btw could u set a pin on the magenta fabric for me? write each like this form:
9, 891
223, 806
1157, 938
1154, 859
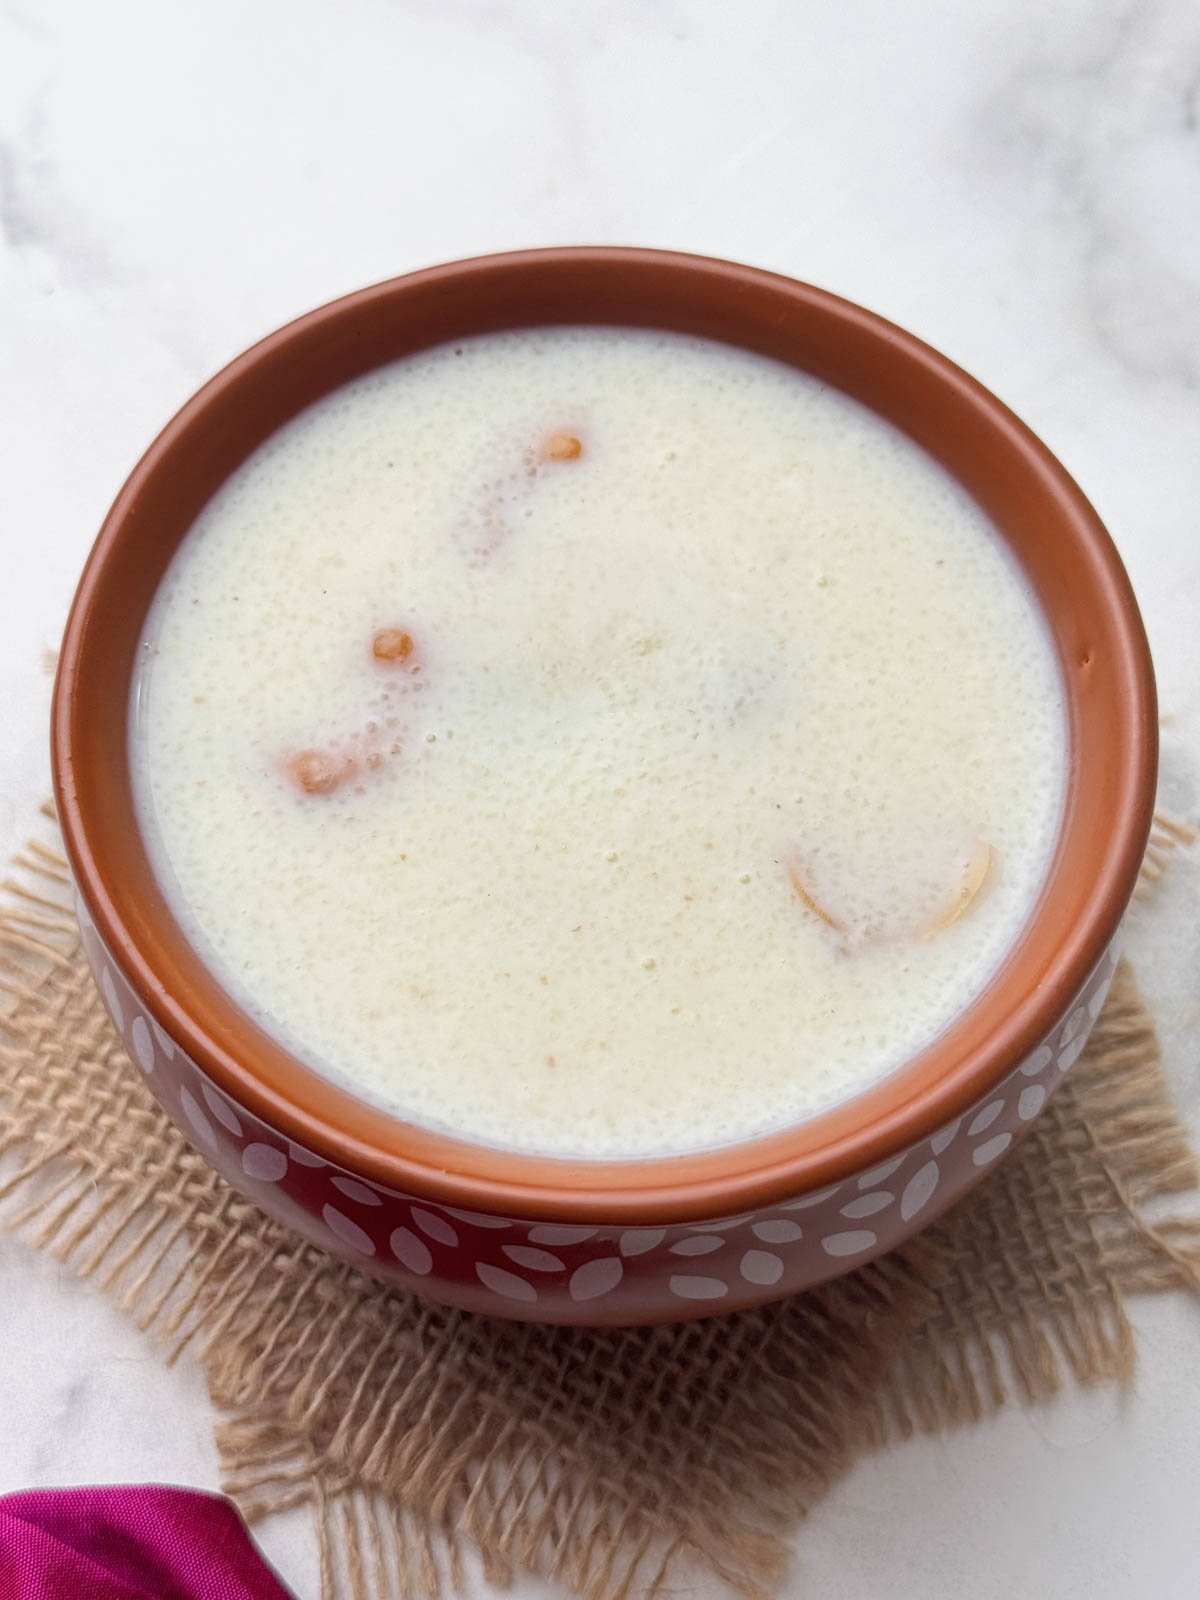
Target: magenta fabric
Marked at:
144, 1542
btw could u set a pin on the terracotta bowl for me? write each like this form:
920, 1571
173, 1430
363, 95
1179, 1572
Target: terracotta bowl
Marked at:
611, 1242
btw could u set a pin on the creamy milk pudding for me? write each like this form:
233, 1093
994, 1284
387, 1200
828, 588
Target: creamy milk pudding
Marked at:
597, 742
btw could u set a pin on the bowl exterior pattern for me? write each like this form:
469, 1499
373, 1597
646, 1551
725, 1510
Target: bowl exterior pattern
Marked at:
560, 1272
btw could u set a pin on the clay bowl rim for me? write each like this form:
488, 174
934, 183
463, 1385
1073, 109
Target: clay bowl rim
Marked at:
1102, 649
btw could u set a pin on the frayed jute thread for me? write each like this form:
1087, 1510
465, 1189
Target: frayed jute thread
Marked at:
1167, 834
609, 1460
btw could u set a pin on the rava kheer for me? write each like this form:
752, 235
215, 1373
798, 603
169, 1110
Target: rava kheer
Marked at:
598, 742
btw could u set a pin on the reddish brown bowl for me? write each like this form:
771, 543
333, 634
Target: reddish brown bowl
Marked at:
561, 1240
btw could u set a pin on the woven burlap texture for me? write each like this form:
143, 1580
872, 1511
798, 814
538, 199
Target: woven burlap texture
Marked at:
608, 1460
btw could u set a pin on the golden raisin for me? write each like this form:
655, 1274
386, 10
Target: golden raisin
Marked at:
392, 644
315, 772
562, 447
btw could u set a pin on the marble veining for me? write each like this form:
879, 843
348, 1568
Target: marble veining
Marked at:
1100, 123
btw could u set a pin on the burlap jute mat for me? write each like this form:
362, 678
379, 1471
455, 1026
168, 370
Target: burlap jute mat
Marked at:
609, 1460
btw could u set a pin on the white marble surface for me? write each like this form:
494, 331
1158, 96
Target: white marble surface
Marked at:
1019, 183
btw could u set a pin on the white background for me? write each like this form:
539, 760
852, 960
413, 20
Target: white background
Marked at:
1017, 182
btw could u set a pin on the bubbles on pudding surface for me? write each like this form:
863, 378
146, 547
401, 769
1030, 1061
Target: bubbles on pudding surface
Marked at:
626, 799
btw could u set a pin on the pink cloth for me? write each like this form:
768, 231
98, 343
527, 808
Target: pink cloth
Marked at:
144, 1542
